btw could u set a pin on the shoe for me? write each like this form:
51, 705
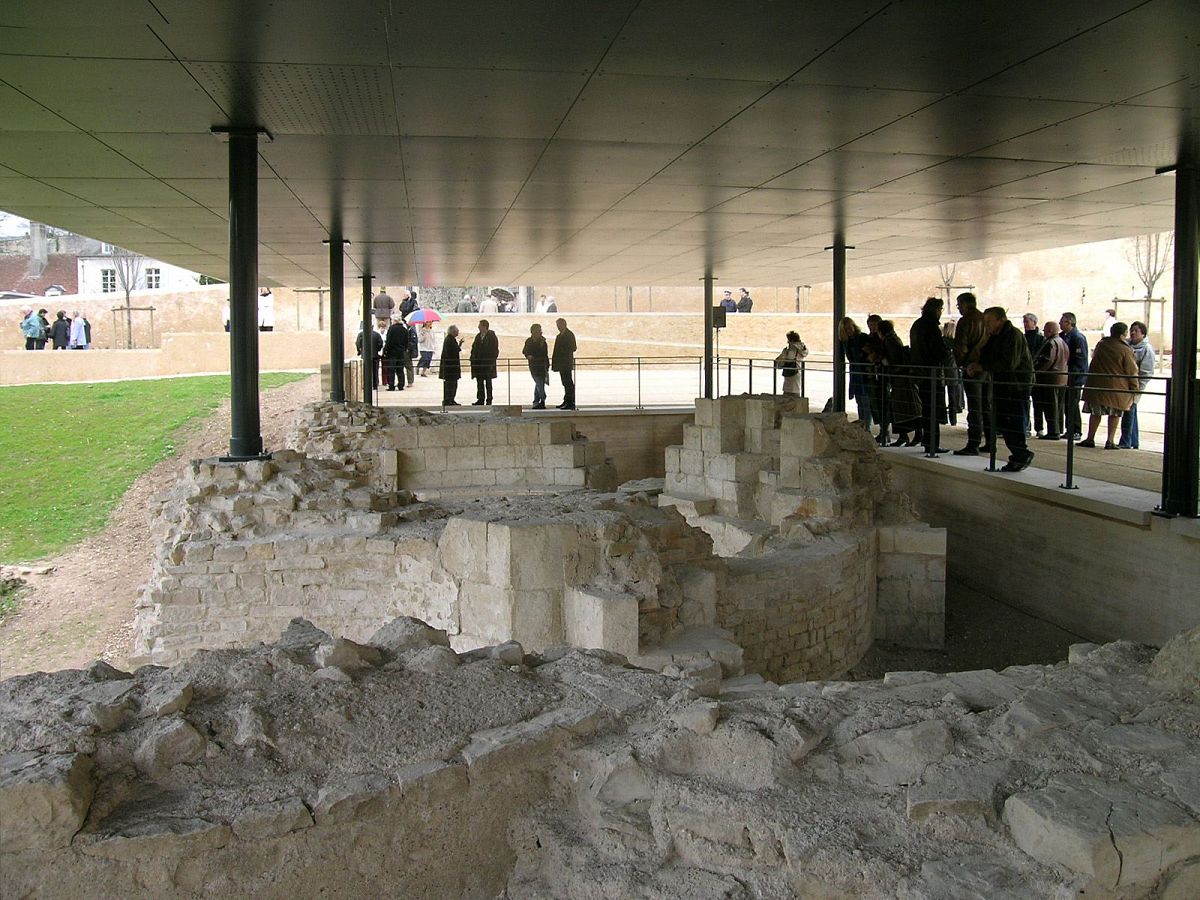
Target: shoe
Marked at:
391, 389
477, 403
940, 450
1109, 445
451, 403
901, 441
538, 406
568, 406
1049, 437
969, 450
1121, 446
1088, 443
914, 442
1078, 435
882, 440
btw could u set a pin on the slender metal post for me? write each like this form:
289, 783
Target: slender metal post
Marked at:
508, 375
803, 379
750, 375
245, 439
931, 435
839, 312
337, 318
368, 343
775, 380
1181, 456
991, 395
639, 376
728, 375
708, 335
1166, 469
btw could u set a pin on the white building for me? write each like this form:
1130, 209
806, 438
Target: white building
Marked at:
98, 273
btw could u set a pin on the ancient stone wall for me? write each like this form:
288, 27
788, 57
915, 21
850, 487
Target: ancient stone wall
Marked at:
422, 451
828, 552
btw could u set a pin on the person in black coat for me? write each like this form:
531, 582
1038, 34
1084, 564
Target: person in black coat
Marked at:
563, 362
485, 350
395, 349
450, 366
60, 331
928, 353
376, 350
537, 353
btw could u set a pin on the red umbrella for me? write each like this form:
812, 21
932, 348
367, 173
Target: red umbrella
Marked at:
423, 315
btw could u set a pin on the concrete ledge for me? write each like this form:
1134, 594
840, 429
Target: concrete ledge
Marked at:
1097, 498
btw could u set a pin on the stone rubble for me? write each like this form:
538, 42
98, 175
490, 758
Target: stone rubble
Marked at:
567, 772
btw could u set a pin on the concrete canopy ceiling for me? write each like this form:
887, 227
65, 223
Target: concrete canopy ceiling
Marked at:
626, 142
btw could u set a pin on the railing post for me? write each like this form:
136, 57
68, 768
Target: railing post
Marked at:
885, 407
728, 375
991, 395
750, 371
639, 382
803, 378
931, 435
774, 379
1165, 494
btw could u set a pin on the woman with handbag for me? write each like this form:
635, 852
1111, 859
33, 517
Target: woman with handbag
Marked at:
788, 363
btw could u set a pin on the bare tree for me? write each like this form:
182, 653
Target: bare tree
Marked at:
1150, 256
128, 266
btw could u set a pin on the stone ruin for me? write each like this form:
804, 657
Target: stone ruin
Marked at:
355, 530
317, 766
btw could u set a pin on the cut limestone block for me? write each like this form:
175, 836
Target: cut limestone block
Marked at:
607, 620
1113, 832
898, 755
967, 792
44, 799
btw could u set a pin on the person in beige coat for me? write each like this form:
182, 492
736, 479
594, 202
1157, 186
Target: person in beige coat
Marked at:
1112, 385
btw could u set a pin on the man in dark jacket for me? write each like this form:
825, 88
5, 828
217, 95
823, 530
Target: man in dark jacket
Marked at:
60, 331
450, 366
563, 362
536, 353
928, 353
376, 350
1033, 337
728, 303
745, 304
395, 349
1077, 366
969, 337
409, 304
1006, 358
485, 350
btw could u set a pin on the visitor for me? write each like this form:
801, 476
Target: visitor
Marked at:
1050, 378
745, 304
466, 304
485, 350
383, 306
488, 306
542, 304
904, 405
1112, 384
407, 362
562, 361
60, 331
80, 332
788, 363
450, 366
31, 328
956, 402
928, 354
551, 304
266, 310
728, 304
537, 354
373, 359
1033, 337
225, 316
854, 348
426, 346
1005, 357
873, 321
969, 338
1077, 366
1110, 319
41, 342
409, 304
395, 349
880, 412
1143, 353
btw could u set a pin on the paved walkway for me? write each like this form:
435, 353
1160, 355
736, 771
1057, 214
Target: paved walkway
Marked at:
674, 386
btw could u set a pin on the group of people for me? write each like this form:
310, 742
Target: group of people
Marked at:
1037, 379
73, 333
743, 304
503, 303
485, 351
400, 351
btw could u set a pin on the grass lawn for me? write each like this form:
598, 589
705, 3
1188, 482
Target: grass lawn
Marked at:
68, 452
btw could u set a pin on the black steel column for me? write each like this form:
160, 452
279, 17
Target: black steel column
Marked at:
839, 313
1182, 452
368, 342
245, 438
708, 335
337, 317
